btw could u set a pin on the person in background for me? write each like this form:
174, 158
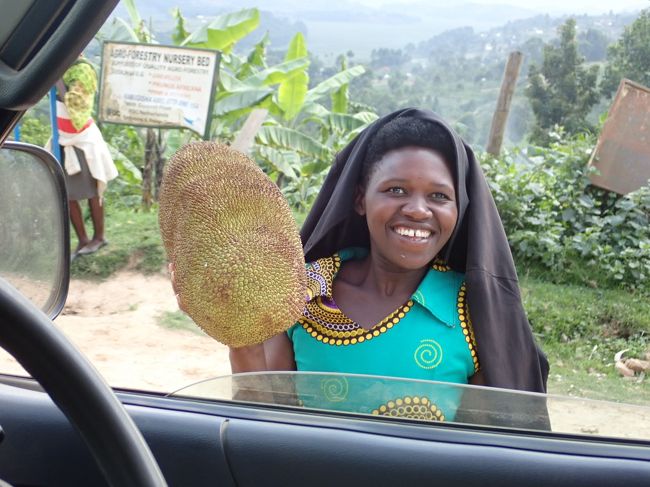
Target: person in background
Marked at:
84, 154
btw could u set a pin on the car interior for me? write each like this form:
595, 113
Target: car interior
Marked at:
66, 427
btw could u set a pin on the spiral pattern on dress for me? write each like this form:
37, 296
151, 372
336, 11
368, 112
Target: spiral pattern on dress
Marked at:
428, 355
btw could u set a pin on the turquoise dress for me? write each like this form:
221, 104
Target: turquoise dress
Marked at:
429, 338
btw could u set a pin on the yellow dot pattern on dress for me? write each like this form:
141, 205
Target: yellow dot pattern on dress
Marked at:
440, 266
410, 407
466, 324
352, 333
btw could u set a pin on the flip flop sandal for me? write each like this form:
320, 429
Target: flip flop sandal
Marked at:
91, 249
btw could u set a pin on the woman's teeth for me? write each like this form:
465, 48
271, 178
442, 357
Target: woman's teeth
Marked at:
410, 232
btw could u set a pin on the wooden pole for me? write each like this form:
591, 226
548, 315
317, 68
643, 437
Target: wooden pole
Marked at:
498, 128
246, 135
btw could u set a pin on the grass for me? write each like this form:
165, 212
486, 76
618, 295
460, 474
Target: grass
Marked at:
134, 243
177, 320
579, 327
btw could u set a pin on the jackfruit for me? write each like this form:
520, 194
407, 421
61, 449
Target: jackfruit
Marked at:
239, 264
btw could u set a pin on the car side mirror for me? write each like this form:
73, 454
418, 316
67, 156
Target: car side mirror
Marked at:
34, 228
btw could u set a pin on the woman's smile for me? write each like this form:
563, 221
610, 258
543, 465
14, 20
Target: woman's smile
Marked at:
413, 233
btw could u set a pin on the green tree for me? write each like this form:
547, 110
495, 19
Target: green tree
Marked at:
563, 90
592, 44
629, 57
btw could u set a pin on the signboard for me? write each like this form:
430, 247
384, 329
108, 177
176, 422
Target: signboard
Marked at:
622, 154
158, 86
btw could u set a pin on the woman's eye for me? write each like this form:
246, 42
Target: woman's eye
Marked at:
439, 196
396, 190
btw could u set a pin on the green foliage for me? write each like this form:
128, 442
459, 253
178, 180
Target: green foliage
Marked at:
34, 131
341, 97
126, 148
138, 26
561, 227
225, 30
563, 90
134, 244
179, 33
581, 329
629, 57
293, 90
592, 44
301, 136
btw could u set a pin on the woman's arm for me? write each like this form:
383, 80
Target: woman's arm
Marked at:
276, 353
477, 379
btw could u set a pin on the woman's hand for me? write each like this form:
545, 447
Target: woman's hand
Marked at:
276, 353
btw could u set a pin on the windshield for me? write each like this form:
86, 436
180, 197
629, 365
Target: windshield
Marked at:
428, 401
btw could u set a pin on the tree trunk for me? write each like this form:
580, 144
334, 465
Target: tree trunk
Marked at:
159, 165
154, 163
147, 170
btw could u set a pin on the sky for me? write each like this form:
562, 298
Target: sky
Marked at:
550, 6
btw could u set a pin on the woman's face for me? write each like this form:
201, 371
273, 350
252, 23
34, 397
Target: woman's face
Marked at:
410, 206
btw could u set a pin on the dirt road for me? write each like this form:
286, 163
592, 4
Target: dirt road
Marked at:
115, 323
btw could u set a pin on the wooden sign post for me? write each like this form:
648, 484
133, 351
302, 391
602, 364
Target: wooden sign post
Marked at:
498, 128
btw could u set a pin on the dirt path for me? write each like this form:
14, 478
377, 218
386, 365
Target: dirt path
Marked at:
116, 325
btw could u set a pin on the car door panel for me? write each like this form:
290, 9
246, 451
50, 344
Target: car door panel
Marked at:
42, 448
201, 443
288, 455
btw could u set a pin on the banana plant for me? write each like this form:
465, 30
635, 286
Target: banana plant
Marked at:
292, 92
224, 31
303, 136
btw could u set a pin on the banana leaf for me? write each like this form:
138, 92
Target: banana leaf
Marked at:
286, 138
278, 73
224, 31
239, 100
340, 99
133, 12
119, 31
333, 83
285, 161
293, 90
179, 34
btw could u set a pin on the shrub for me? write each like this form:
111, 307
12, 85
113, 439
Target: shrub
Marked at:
558, 224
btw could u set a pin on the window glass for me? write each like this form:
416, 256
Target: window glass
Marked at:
429, 401
583, 255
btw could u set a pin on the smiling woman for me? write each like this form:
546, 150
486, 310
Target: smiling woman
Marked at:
403, 241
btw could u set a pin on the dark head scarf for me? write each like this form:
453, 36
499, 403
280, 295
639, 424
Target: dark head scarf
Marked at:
508, 354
